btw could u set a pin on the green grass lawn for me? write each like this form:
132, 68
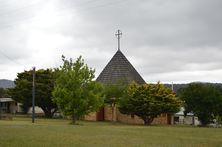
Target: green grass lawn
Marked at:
57, 132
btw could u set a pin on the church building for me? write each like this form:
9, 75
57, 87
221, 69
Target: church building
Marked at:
120, 70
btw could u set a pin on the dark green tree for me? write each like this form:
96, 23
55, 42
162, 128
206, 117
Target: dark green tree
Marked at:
204, 100
22, 92
3, 93
147, 101
219, 106
75, 91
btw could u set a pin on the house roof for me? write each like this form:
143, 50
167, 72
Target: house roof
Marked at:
181, 112
119, 70
6, 100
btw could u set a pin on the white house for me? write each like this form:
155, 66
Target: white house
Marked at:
189, 119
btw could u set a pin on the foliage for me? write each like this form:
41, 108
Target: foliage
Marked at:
219, 105
75, 92
219, 119
44, 81
3, 93
204, 100
113, 93
147, 101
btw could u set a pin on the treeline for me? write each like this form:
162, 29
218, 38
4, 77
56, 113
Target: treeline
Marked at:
71, 90
204, 100
178, 87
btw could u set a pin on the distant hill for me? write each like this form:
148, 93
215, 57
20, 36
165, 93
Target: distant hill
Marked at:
6, 83
178, 87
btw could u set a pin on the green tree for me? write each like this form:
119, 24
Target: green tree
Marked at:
147, 101
22, 92
3, 93
204, 100
113, 92
219, 106
75, 92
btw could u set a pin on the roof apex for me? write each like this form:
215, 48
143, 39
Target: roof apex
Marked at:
119, 70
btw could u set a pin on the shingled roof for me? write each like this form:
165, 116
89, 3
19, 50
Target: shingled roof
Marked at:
119, 70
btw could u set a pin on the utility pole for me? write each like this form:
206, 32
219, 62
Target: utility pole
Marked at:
118, 35
33, 95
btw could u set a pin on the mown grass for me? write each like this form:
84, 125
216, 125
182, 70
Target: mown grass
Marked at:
59, 132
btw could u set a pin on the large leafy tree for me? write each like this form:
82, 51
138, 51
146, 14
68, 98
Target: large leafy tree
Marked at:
44, 81
204, 100
147, 101
75, 91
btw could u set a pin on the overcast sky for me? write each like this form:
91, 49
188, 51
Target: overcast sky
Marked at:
166, 40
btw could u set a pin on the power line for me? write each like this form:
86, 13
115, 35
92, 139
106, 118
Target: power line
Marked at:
9, 58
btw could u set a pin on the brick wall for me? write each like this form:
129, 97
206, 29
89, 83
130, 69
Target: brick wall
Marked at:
113, 114
128, 118
110, 113
162, 119
91, 116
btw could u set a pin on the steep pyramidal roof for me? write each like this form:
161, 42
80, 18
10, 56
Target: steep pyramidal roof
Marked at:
119, 70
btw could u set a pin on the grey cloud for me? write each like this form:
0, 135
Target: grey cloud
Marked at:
161, 38
170, 23
166, 36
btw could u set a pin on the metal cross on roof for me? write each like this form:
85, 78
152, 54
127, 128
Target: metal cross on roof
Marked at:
118, 35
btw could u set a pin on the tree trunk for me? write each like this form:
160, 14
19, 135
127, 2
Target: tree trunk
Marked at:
48, 113
74, 119
113, 106
147, 120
